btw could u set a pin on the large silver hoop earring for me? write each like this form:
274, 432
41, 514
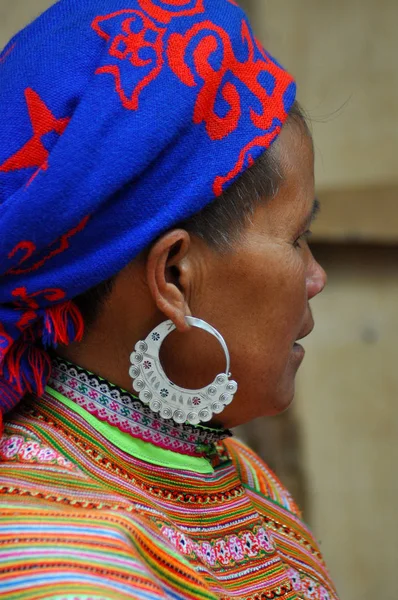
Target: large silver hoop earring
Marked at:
165, 397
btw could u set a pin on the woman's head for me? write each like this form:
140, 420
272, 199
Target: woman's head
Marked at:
141, 118
243, 265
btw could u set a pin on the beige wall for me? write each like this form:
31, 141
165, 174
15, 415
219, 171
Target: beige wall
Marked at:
14, 14
344, 56
348, 415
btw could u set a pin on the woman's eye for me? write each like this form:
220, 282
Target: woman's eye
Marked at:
304, 237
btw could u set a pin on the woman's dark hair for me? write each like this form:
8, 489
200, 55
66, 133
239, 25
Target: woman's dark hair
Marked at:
220, 223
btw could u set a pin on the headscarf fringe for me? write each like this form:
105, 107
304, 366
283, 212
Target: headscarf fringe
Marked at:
63, 324
27, 364
27, 367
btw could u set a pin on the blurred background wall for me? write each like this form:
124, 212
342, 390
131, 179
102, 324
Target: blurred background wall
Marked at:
337, 448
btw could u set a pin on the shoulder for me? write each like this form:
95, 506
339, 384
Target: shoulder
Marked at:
255, 474
57, 551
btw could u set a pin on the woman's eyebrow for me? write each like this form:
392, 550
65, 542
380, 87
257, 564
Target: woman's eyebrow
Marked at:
316, 207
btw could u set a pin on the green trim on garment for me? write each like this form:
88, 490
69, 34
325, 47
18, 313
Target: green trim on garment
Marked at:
134, 447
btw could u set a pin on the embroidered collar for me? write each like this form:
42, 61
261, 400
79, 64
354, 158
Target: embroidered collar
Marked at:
121, 409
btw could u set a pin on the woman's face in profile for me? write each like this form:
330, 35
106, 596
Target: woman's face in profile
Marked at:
258, 296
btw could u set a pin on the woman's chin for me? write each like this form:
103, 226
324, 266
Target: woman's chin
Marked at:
239, 413
283, 397
280, 404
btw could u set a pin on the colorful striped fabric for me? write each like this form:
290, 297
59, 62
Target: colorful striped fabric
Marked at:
82, 519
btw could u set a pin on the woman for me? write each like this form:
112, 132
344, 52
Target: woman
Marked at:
156, 178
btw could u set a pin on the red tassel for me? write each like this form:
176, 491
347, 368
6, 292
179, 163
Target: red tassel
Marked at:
28, 367
64, 323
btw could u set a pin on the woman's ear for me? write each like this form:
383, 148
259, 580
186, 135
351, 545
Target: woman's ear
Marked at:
166, 276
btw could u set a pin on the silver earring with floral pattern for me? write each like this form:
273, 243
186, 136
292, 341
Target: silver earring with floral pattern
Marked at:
163, 396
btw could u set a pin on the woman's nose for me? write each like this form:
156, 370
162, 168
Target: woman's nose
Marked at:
316, 280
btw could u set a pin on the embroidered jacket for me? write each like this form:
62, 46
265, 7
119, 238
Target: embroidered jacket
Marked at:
89, 509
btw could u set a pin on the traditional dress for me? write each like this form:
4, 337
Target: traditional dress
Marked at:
103, 499
118, 120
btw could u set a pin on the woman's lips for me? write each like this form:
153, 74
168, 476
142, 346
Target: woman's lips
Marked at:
298, 351
307, 330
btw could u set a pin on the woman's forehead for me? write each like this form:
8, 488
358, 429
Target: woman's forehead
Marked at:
295, 150
294, 200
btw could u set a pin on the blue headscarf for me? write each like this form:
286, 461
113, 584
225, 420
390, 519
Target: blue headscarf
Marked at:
118, 119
